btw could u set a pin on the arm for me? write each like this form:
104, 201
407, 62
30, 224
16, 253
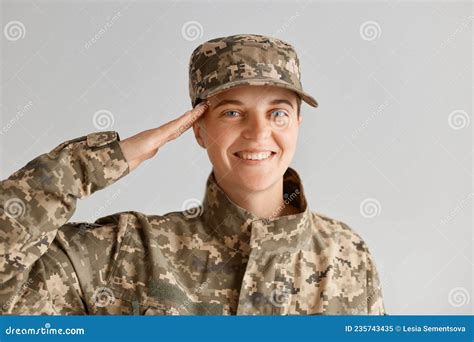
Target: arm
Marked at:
37, 200
37, 275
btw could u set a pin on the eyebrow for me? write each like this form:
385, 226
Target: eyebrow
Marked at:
237, 102
278, 101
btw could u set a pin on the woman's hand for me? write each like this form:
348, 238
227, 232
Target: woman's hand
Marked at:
145, 145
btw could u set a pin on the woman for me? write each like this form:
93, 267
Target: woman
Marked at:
253, 247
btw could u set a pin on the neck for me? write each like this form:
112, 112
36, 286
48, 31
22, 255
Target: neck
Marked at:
266, 203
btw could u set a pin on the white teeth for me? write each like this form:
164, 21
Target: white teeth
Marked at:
254, 156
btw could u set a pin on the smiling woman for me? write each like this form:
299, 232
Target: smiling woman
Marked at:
251, 149
253, 247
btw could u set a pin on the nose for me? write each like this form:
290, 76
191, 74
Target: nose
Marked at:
257, 127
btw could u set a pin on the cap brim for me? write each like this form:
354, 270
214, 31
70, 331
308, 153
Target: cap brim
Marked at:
261, 81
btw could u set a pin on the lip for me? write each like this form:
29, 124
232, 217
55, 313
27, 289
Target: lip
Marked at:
255, 162
256, 151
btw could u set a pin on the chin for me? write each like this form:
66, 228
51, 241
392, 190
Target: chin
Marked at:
255, 180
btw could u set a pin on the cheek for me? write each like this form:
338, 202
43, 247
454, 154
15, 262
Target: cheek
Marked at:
219, 140
287, 140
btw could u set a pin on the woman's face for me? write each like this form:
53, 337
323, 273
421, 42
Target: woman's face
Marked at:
250, 134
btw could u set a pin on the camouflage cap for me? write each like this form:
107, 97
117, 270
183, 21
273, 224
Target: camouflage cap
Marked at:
244, 59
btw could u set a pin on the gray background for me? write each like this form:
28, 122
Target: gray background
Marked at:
394, 123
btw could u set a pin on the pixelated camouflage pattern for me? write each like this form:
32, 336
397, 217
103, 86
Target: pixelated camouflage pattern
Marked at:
244, 59
217, 259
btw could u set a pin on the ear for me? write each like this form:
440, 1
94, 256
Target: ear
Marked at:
198, 132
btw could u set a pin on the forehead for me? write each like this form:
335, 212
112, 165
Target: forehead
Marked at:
265, 93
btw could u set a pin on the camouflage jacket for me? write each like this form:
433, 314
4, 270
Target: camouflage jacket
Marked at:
218, 259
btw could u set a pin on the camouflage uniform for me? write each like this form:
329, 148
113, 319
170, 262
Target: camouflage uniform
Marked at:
218, 259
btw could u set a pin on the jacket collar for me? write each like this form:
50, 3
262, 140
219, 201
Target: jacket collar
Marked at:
241, 230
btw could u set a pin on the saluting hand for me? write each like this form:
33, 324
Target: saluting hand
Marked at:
145, 145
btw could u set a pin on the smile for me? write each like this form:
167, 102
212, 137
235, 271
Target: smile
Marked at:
255, 156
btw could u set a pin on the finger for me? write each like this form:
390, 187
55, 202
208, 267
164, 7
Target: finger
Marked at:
197, 111
185, 121
188, 118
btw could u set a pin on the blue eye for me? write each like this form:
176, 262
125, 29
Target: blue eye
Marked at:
279, 111
231, 111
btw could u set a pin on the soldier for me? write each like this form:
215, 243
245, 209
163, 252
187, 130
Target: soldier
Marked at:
253, 247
